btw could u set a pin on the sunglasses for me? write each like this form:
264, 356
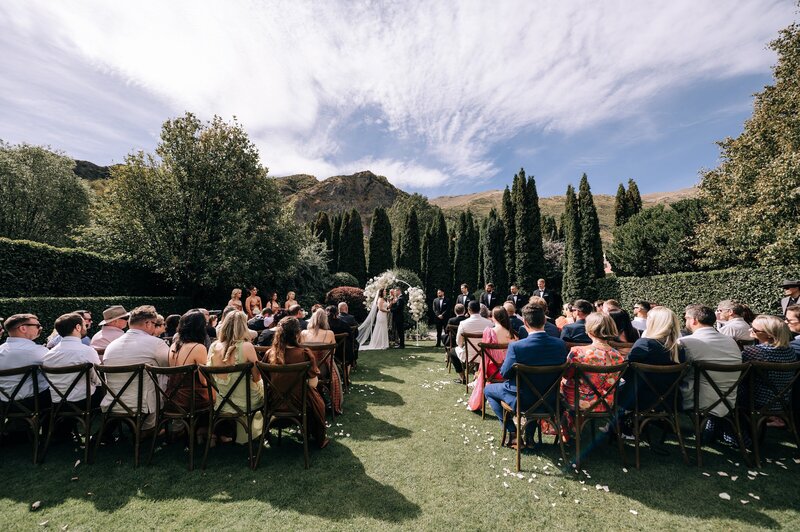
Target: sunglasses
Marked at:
37, 325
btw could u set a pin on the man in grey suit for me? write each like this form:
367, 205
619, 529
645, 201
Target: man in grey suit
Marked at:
791, 293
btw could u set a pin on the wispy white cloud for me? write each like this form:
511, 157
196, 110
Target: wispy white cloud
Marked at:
454, 80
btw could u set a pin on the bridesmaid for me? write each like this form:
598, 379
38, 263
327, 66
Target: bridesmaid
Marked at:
236, 299
253, 303
290, 300
273, 302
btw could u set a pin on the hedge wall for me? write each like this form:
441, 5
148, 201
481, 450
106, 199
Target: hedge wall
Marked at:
29, 269
49, 308
758, 287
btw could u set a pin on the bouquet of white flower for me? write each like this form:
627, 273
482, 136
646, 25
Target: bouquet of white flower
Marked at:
374, 285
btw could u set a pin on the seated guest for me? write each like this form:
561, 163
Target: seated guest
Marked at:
233, 347
658, 347
549, 326
484, 312
627, 333
640, 310
19, 351
773, 337
475, 323
172, 324
598, 305
318, 332
55, 338
450, 338
793, 322
515, 321
265, 337
161, 327
567, 316
137, 346
730, 320
71, 351
500, 333
576, 332
189, 348
340, 327
600, 329
538, 349
257, 322
211, 325
344, 315
286, 350
115, 319
610, 304
706, 344
297, 312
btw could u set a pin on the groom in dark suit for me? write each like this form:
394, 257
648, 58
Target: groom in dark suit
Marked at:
441, 313
398, 318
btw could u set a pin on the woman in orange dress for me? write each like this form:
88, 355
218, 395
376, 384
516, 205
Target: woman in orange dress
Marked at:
501, 333
252, 304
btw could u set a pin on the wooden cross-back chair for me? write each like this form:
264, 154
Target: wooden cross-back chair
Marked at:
341, 358
80, 412
546, 404
472, 353
117, 380
324, 354
281, 406
449, 344
702, 372
604, 405
493, 375
28, 409
242, 375
662, 383
780, 404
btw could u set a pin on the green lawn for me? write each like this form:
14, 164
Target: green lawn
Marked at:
407, 455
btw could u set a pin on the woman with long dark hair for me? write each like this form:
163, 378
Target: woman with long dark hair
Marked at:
187, 349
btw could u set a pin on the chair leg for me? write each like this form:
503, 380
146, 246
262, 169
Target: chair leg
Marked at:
483, 404
36, 428
578, 427
48, 439
698, 441
677, 423
618, 429
155, 437
738, 427
754, 432
305, 440
137, 432
211, 426
637, 437
504, 429
192, 429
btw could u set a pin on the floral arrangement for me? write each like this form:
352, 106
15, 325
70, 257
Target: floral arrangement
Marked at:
383, 281
416, 303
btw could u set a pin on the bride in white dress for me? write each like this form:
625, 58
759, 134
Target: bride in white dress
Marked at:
374, 332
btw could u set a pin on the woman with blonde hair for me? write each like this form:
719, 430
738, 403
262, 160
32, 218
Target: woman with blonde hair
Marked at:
233, 347
236, 299
773, 337
286, 349
290, 300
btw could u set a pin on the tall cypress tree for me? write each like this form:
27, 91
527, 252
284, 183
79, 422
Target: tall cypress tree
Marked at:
351, 255
549, 228
634, 198
528, 245
424, 252
507, 216
321, 229
336, 237
621, 208
494, 261
574, 280
380, 243
591, 245
439, 273
410, 244
452, 238
481, 235
466, 252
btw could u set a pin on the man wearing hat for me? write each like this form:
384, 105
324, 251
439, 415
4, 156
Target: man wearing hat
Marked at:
791, 292
115, 319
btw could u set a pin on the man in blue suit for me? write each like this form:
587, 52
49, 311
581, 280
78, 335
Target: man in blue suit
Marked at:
538, 349
576, 332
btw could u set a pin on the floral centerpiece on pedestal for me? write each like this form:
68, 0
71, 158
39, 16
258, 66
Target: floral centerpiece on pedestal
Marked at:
417, 305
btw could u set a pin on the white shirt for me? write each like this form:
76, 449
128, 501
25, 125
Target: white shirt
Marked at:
737, 328
18, 353
639, 323
71, 351
105, 336
473, 324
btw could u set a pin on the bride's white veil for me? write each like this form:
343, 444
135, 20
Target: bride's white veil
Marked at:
365, 329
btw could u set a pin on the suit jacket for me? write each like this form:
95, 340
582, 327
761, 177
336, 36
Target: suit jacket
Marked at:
338, 327
709, 345
490, 300
549, 327
465, 299
547, 295
519, 300
455, 320
348, 319
538, 349
795, 344
441, 306
785, 304
575, 332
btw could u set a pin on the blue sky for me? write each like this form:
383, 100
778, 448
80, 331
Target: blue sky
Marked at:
440, 97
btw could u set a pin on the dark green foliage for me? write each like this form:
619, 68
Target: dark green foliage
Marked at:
529, 254
620, 206
380, 243
481, 235
494, 264
90, 171
343, 279
634, 199
402, 206
410, 244
425, 250
759, 288
591, 245
32, 269
307, 275
507, 215
465, 269
336, 238
351, 247
576, 279
451, 254
321, 229
353, 296
439, 272
47, 309
41, 198
549, 228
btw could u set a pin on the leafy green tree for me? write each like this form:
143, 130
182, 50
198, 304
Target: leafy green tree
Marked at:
466, 252
336, 237
187, 214
41, 198
752, 199
591, 245
528, 252
380, 243
621, 206
508, 216
439, 272
321, 229
576, 281
494, 263
549, 228
452, 238
410, 244
402, 206
634, 199
351, 247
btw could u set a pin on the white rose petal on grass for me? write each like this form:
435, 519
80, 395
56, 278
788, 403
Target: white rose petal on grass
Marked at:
733, 478
756, 497
724, 496
36, 505
706, 474
722, 473
505, 484
44, 523
634, 512
744, 501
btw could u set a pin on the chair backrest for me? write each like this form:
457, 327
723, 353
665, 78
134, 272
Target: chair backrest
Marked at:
261, 351
82, 376
341, 347
323, 353
471, 345
166, 397
11, 404
604, 399
744, 343
661, 383
570, 345
280, 382
779, 378
120, 379
722, 394
543, 383
450, 341
241, 373
493, 374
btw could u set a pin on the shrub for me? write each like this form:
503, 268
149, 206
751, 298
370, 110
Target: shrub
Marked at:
47, 309
343, 279
30, 269
353, 296
759, 288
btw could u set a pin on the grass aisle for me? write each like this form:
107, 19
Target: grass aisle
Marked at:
406, 455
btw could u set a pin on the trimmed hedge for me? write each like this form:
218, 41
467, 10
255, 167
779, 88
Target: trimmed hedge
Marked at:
759, 288
47, 309
30, 269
